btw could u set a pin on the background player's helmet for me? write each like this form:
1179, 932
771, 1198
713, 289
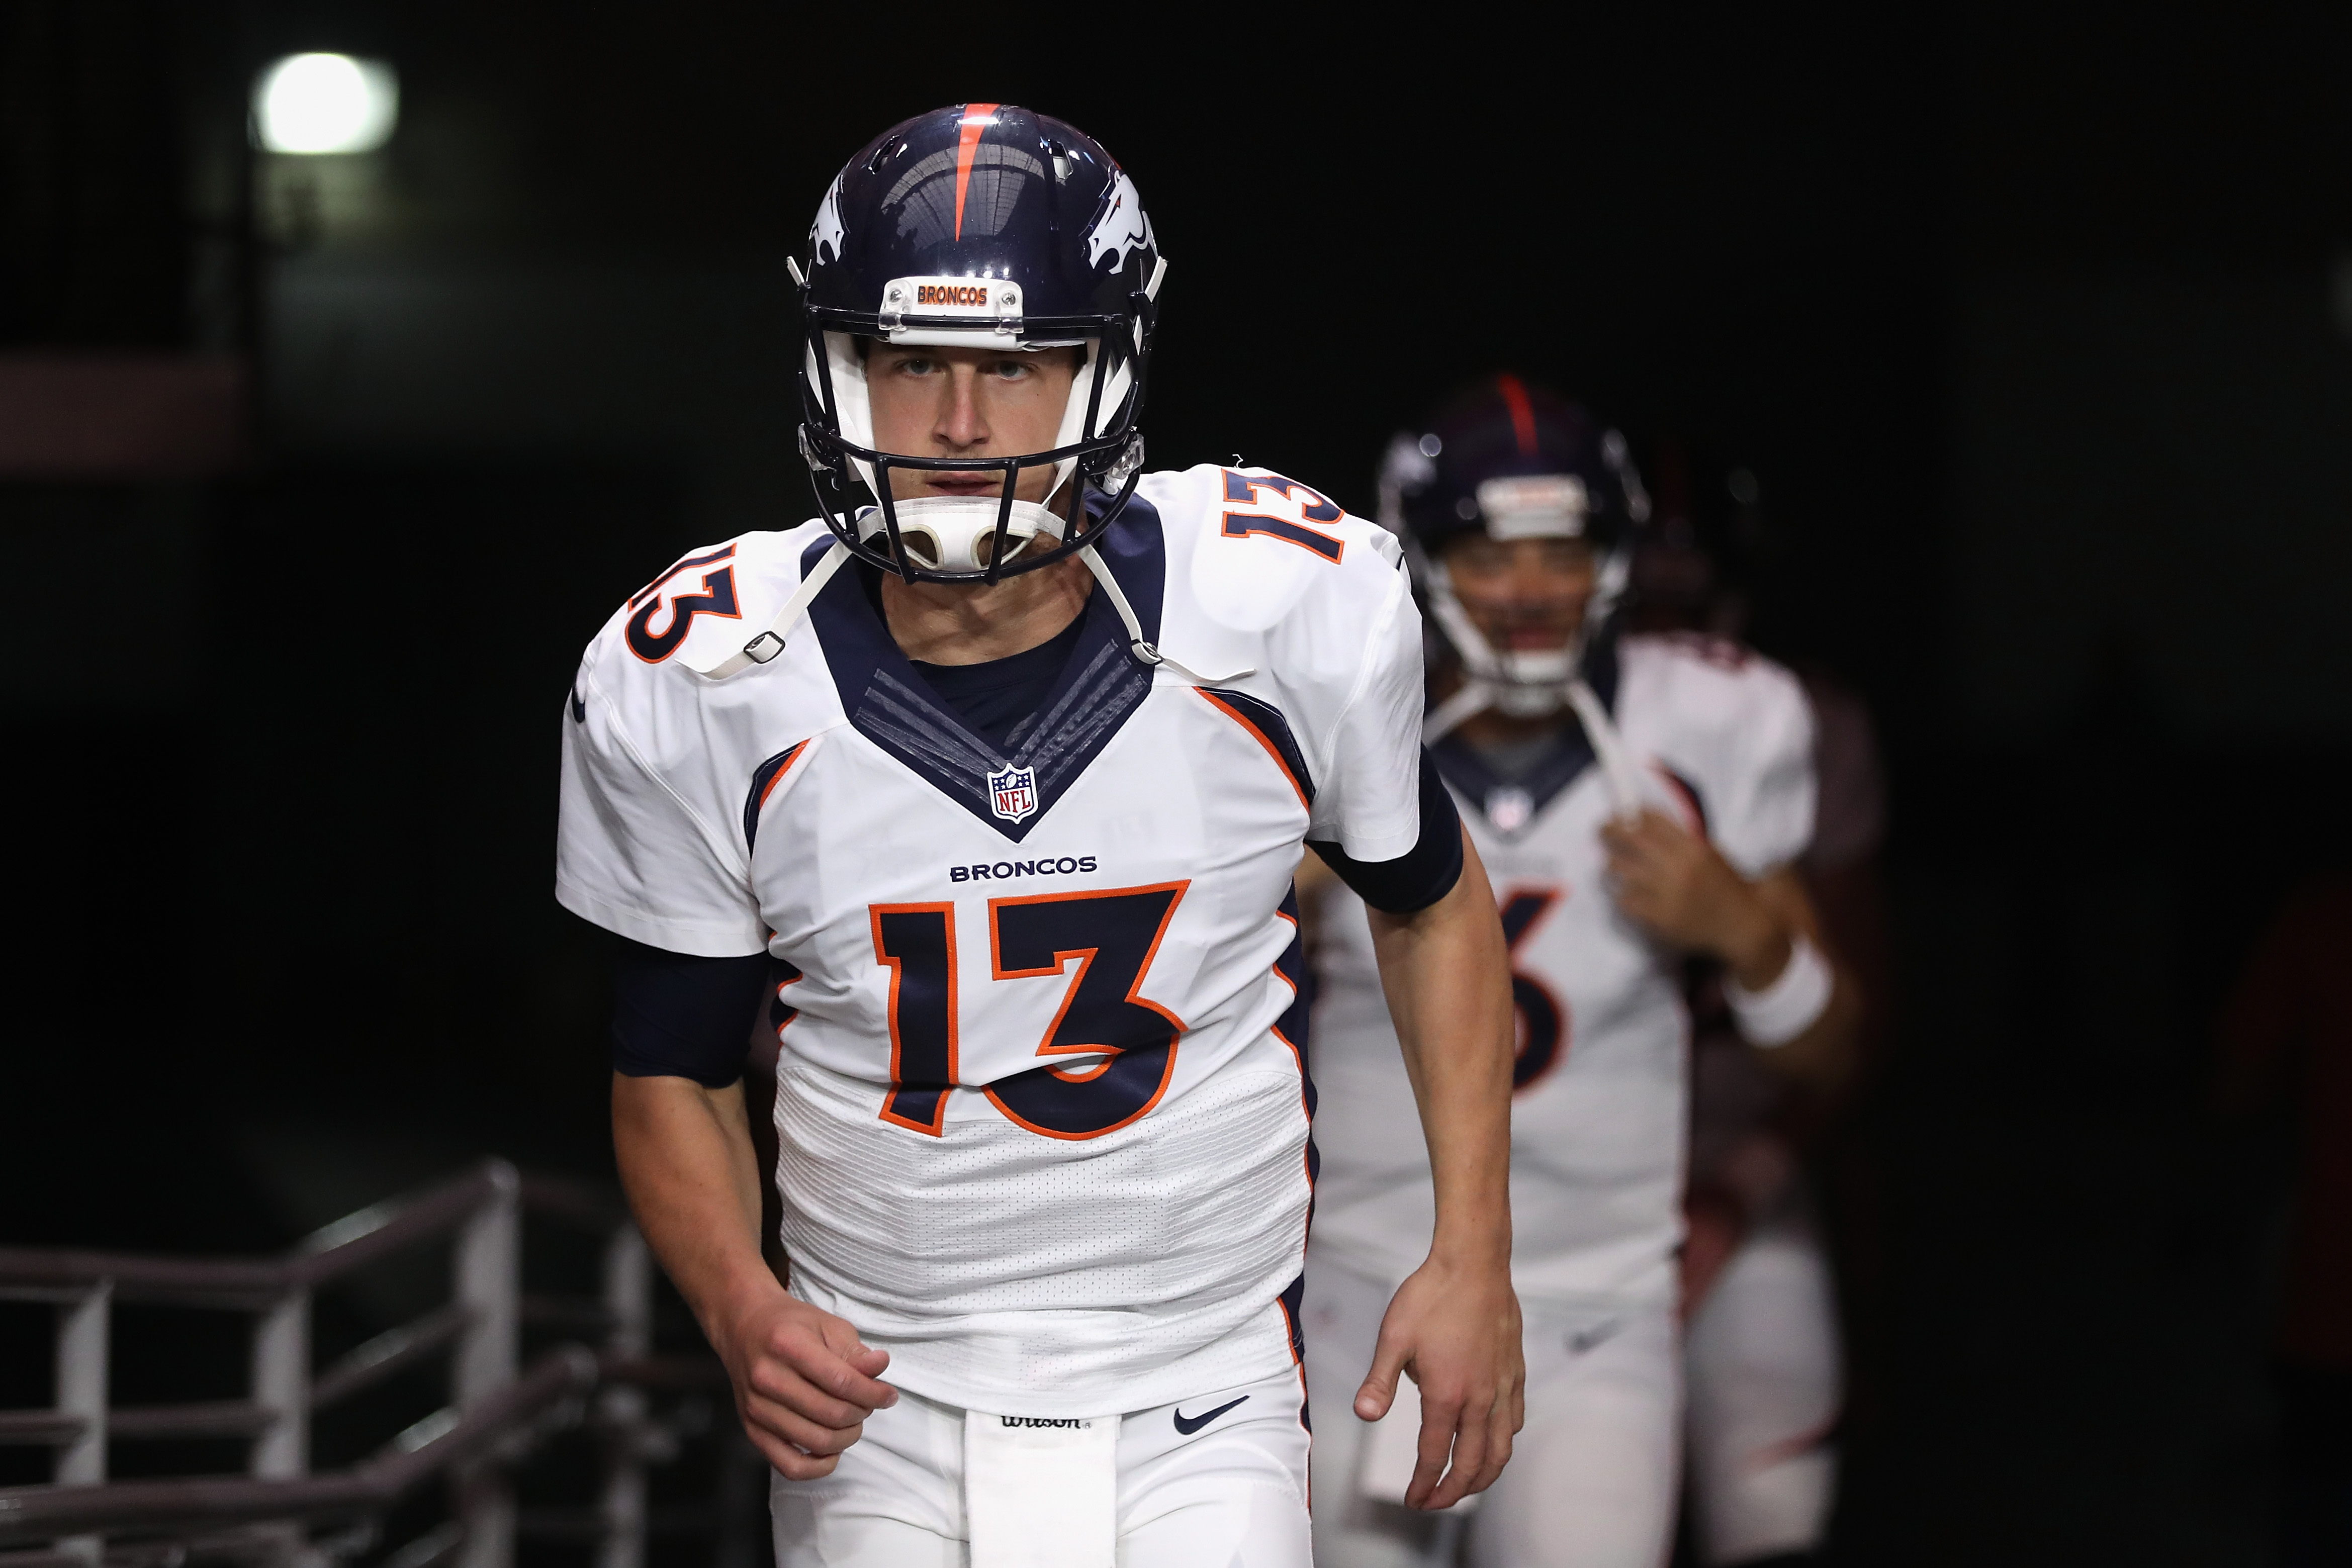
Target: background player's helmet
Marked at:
1512, 461
979, 225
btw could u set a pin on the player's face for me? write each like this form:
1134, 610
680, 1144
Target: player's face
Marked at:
1525, 594
968, 402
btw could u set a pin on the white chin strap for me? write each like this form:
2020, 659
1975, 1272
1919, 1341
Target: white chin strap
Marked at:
957, 533
769, 641
1623, 774
1144, 652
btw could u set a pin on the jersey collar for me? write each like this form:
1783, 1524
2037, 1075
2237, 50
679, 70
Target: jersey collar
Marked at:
1512, 806
1096, 693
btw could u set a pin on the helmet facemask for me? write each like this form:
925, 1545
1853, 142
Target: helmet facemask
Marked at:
1523, 683
977, 539
1518, 683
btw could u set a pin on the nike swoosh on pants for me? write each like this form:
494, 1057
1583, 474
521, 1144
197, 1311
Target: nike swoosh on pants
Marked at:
1188, 1425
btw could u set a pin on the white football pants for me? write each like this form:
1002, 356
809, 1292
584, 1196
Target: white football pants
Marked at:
1229, 1493
1763, 1363
1591, 1481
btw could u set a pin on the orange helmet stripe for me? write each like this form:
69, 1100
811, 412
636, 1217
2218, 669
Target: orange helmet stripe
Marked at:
976, 118
1522, 413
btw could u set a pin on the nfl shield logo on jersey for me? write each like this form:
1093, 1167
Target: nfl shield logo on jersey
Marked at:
1012, 794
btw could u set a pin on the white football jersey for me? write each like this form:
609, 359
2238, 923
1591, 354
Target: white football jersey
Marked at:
1598, 1123
1043, 1134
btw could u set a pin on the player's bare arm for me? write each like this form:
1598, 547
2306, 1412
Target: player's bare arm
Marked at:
1679, 887
804, 1383
1454, 1326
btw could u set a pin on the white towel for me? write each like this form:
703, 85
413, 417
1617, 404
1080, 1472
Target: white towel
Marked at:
1041, 1494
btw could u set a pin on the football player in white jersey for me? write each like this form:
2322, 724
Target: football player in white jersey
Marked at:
1638, 801
992, 790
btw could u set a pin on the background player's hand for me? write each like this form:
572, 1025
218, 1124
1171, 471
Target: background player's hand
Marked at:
1673, 884
804, 1381
1455, 1330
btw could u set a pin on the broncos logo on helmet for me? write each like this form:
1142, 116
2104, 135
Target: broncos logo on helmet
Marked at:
824, 235
1123, 227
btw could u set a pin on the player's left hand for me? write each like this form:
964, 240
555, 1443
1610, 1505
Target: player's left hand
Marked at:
1455, 1329
1673, 884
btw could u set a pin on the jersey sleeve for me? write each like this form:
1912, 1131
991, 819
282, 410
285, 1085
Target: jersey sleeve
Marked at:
633, 854
1368, 790
1761, 816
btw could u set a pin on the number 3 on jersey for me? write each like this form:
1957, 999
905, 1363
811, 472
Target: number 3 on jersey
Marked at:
1542, 1017
1112, 935
717, 598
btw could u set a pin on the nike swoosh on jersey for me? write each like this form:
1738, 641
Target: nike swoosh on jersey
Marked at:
1188, 1425
579, 709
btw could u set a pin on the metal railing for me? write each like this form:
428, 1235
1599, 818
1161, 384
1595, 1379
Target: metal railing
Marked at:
496, 1411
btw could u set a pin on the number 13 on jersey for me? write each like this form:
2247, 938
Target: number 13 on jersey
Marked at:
1248, 497
1111, 936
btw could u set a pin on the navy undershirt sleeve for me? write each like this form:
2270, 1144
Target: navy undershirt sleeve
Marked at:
1424, 873
679, 1016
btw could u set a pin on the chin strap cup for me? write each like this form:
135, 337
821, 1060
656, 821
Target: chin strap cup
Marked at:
959, 531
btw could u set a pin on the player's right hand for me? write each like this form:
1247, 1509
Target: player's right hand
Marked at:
1456, 1332
804, 1381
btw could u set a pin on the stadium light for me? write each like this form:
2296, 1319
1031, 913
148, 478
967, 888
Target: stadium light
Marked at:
326, 103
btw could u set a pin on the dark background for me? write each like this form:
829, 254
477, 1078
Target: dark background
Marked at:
2033, 325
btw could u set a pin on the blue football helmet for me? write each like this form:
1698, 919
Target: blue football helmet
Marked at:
1512, 461
978, 226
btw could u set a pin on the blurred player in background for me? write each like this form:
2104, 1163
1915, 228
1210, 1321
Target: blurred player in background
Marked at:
991, 791
1762, 1353
1640, 800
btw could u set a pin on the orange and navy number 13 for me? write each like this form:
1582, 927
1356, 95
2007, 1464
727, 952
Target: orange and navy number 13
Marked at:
1112, 935
717, 598
1245, 490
